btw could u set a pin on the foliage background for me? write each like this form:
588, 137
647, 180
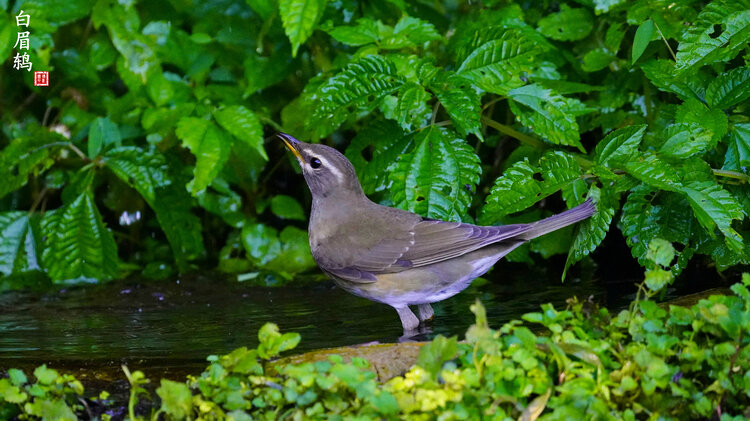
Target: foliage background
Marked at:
152, 149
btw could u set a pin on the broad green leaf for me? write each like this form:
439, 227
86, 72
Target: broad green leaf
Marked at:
642, 39
661, 74
604, 6
417, 31
286, 207
176, 399
729, 89
244, 125
300, 17
716, 208
386, 141
262, 72
498, 59
19, 239
264, 8
11, 393
619, 145
359, 86
721, 30
548, 114
684, 140
411, 107
77, 245
56, 12
597, 59
434, 354
437, 178
738, 150
366, 31
51, 409
147, 172
102, 133
27, 156
567, 24
8, 34
210, 146
522, 185
461, 102
614, 36
653, 171
714, 120
408, 32
591, 232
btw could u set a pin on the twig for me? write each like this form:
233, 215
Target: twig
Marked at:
434, 112
665, 41
731, 174
523, 138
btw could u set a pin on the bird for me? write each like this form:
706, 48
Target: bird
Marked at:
393, 256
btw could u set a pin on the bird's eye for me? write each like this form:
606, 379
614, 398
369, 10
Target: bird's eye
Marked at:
315, 163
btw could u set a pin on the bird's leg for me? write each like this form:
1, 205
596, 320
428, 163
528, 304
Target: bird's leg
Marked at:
425, 312
408, 320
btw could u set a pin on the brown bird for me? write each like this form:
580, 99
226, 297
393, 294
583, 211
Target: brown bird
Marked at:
397, 257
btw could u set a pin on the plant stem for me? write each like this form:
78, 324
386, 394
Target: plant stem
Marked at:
523, 138
665, 41
731, 174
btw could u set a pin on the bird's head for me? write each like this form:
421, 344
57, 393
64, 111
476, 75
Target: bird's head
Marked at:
326, 170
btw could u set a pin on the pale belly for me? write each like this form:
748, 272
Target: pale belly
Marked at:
430, 283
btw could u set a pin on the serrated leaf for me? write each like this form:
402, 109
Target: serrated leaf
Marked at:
24, 157
461, 102
411, 107
648, 168
684, 140
661, 74
437, 178
366, 31
642, 39
714, 208
359, 86
519, 187
387, 141
147, 172
567, 25
614, 36
704, 43
694, 111
738, 149
78, 246
102, 133
548, 114
619, 145
19, 251
417, 31
729, 89
244, 125
209, 145
597, 59
591, 232
300, 17
498, 59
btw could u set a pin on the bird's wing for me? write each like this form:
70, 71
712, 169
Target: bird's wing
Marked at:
426, 243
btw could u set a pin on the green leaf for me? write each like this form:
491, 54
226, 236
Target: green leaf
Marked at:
176, 399
685, 140
19, 239
591, 232
103, 133
437, 179
567, 25
661, 252
522, 185
210, 147
51, 409
619, 145
715, 208
461, 102
27, 156
417, 31
411, 108
498, 59
387, 141
738, 150
286, 207
300, 17
359, 86
434, 354
729, 89
704, 43
78, 246
11, 393
244, 125
548, 114
366, 31
661, 74
642, 39
8, 34
714, 120
146, 171
648, 168
597, 59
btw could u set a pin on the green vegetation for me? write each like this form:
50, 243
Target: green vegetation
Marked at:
149, 150
646, 362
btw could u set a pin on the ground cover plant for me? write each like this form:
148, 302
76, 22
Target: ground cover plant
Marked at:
151, 150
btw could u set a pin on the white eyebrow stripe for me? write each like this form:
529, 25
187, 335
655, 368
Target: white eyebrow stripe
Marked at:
331, 168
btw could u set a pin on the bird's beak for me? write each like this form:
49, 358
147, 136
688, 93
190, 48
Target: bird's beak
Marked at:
292, 144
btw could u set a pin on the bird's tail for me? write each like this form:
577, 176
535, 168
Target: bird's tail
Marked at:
555, 222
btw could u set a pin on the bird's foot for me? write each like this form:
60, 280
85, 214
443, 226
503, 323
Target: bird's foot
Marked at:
425, 312
408, 320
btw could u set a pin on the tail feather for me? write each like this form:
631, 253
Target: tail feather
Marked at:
561, 220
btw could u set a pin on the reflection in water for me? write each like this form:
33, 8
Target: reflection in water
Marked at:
178, 323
